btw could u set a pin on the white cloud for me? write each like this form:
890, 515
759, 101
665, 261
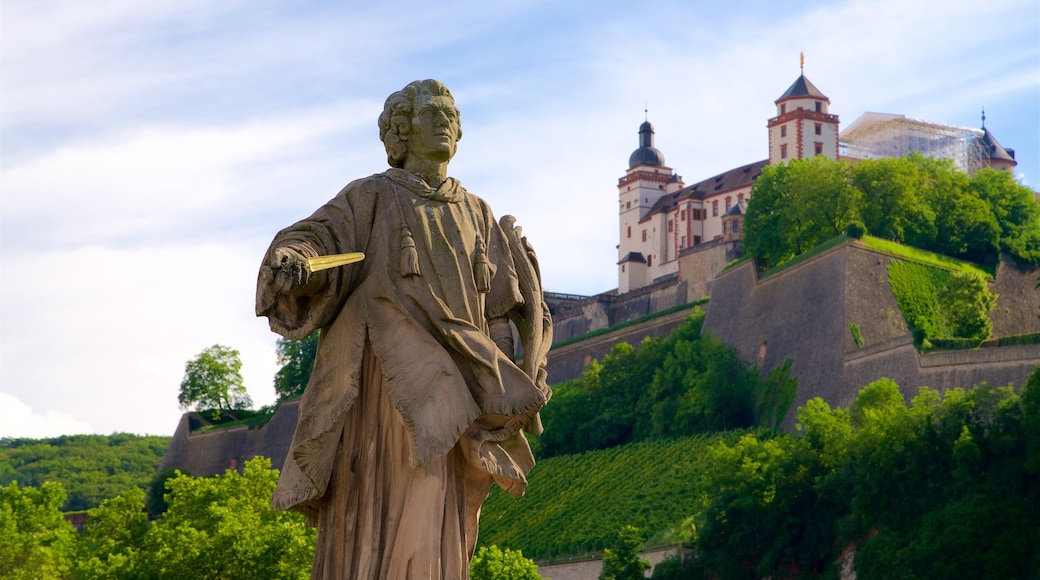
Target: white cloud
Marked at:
117, 326
18, 420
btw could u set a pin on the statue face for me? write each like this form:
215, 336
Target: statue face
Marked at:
435, 129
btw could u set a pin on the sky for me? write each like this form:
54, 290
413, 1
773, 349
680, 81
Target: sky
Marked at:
149, 151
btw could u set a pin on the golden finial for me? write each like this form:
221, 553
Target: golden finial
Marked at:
802, 58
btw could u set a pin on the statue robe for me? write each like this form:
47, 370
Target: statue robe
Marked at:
412, 409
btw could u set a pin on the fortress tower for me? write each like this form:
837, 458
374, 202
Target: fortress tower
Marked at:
643, 185
803, 126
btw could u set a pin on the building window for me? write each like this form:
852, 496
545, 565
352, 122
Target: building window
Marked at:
649, 261
644, 235
669, 226
622, 268
682, 215
729, 203
715, 208
819, 107
783, 151
819, 148
628, 205
696, 240
630, 231
736, 226
682, 243
783, 109
783, 130
740, 197
819, 129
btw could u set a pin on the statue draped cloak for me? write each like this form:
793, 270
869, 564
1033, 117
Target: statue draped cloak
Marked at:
405, 345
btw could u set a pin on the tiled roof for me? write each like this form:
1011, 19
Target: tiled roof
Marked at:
738, 208
742, 176
991, 149
633, 257
802, 88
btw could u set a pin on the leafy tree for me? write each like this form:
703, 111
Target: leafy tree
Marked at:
622, 562
1016, 211
892, 207
798, 205
965, 302
35, 539
701, 386
155, 495
297, 360
492, 563
215, 527
115, 538
683, 384
213, 380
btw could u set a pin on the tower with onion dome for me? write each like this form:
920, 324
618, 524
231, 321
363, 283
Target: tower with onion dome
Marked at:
646, 180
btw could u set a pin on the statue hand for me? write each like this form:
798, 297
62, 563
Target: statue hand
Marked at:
290, 269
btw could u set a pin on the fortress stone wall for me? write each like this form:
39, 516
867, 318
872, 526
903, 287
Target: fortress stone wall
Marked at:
217, 450
803, 312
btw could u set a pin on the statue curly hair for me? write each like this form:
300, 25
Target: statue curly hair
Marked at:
395, 122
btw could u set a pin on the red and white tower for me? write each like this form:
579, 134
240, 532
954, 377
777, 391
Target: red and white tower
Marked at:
802, 127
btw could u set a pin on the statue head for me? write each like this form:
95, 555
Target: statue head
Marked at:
395, 122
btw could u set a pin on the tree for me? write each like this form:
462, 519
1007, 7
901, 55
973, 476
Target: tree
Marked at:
892, 208
965, 303
213, 380
297, 360
492, 563
215, 527
35, 539
622, 562
798, 205
114, 538
1016, 211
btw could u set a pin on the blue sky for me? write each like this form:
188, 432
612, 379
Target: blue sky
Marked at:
150, 150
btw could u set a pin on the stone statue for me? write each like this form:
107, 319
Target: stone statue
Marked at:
416, 404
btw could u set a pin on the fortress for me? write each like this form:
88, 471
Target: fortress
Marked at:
674, 242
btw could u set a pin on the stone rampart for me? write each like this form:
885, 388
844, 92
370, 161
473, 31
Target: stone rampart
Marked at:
805, 313
216, 450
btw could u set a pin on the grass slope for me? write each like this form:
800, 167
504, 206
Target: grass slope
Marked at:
576, 504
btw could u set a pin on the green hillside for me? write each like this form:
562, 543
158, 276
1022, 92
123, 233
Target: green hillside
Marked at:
576, 504
91, 468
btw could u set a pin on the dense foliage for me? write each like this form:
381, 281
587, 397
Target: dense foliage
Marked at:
217, 527
621, 561
213, 380
947, 486
297, 360
939, 304
916, 200
492, 563
35, 539
684, 384
90, 468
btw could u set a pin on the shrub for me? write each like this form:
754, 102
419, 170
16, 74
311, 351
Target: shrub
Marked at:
965, 302
857, 336
855, 229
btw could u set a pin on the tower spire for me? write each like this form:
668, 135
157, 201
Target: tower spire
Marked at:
802, 59
983, 117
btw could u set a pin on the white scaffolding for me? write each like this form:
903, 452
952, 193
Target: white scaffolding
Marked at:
877, 135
